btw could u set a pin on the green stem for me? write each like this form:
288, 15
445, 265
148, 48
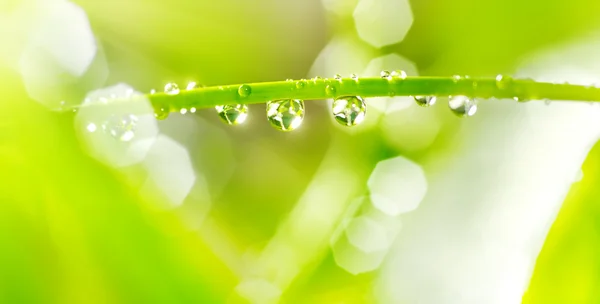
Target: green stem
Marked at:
521, 89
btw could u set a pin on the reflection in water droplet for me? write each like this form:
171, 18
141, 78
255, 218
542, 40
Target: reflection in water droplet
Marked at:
386, 75
121, 127
183, 111
285, 115
354, 77
349, 110
244, 90
301, 84
425, 101
338, 77
161, 113
91, 127
399, 74
233, 114
463, 106
330, 90
171, 88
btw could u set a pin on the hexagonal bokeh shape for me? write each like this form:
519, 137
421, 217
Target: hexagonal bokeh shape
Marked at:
343, 55
367, 235
354, 260
171, 175
118, 133
397, 185
61, 60
383, 22
390, 62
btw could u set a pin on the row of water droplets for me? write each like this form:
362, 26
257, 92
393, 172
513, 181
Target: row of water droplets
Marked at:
288, 114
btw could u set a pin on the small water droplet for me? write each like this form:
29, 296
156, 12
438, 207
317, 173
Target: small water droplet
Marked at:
338, 77
425, 101
192, 85
503, 82
456, 78
349, 110
153, 91
233, 114
289, 80
463, 106
161, 113
520, 99
244, 90
399, 74
316, 79
91, 127
121, 127
301, 84
192, 110
386, 75
183, 111
171, 88
354, 77
285, 115
330, 90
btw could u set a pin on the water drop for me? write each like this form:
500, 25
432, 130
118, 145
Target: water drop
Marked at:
183, 111
233, 114
244, 90
316, 79
330, 90
285, 115
520, 99
425, 101
349, 110
91, 127
171, 88
503, 82
338, 77
301, 84
192, 110
399, 74
192, 85
456, 78
289, 80
463, 106
121, 127
386, 75
354, 77
161, 113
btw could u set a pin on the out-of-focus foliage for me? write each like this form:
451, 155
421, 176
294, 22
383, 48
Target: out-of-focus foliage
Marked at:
265, 206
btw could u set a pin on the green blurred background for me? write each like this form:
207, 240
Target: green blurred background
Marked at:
256, 225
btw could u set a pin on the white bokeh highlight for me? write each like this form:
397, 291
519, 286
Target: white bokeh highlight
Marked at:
342, 55
60, 57
99, 110
171, 175
491, 203
397, 185
383, 22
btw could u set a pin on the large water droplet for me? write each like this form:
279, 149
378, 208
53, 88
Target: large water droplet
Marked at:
386, 75
121, 127
233, 114
349, 110
171, 88
285, 115
244, 90
463, 106
425, 101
